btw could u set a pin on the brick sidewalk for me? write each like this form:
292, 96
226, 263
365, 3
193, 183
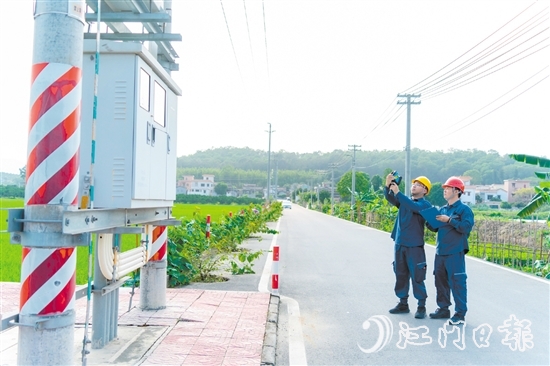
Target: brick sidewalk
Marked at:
202, 327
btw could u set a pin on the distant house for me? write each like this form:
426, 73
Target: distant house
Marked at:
251, 190
202, 187
492, 193
511, 186
469, 196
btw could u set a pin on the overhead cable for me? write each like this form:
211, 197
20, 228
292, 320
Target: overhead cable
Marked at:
465, 53
231, 40
500, 106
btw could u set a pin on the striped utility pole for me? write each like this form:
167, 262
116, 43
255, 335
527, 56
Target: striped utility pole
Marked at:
408, 102
48, 269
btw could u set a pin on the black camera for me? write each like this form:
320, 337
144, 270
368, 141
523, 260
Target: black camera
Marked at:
398, 178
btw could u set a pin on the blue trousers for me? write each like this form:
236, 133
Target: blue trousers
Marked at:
410, 267
450, 275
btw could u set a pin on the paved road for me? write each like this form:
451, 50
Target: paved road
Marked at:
340, 276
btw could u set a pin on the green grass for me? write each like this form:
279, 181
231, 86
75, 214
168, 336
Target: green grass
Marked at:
10, 254
216, 212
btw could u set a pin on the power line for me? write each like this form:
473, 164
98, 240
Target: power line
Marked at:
249, 38
475, 78
508, 92
485, 64
231, 40
465, 53
500, 106
265, 39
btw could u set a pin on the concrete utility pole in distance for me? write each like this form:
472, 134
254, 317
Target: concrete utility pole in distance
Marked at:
332, 166
269, 164
355, 148
408, 102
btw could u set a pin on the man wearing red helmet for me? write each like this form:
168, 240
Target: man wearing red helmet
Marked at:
408, 235
451, 247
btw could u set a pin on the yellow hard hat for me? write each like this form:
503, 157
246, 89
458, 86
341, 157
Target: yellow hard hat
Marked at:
425, 181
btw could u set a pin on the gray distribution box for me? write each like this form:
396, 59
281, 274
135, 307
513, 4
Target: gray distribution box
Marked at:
135, 128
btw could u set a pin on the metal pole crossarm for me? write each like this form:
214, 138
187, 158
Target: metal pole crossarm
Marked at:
132, 6
130, 17
136, 36
83, 221
409, 96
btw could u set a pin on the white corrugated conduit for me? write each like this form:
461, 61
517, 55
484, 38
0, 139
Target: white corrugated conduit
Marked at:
118, 263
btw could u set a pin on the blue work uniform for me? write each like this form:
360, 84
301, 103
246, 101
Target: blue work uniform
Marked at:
451, 247
410, 257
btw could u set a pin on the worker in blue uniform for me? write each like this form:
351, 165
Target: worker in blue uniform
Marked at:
451, 248
408, 234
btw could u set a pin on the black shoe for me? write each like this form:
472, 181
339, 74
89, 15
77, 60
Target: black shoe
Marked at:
400, 309
441, 314
420, 312
456, 319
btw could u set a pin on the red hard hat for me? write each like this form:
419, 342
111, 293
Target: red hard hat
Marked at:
455, 183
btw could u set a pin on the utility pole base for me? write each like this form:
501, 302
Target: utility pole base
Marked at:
153, 286
46, 345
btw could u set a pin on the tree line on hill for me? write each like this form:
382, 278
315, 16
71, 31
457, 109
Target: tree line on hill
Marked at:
237, 166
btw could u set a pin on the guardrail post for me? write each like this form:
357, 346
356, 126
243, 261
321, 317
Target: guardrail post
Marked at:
275, 271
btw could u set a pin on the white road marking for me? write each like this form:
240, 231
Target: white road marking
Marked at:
296, 347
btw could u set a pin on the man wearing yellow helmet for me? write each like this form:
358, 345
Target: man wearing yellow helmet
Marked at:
408, 234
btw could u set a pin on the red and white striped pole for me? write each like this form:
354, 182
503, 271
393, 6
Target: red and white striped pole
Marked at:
275, 271
207, 226
48, 269
159, 244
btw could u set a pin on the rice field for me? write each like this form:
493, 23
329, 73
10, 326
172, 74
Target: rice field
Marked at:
10, 254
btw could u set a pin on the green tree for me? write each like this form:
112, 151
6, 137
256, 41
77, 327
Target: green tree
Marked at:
220, 189
436, 195
323, 195
377, 182
475, 175
506, 205
362, 183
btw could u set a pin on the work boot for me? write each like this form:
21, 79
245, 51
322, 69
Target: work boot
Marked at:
420, 312
456, 319
441, 314
400, 309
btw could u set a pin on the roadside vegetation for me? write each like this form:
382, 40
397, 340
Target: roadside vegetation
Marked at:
191, 256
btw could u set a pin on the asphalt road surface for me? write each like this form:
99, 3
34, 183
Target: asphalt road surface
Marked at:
336, 284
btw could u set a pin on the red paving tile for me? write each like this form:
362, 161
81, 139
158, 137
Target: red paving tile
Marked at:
203, 360
237, 361
207, 327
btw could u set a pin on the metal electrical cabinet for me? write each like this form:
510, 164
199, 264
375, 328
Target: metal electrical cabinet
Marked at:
135, 128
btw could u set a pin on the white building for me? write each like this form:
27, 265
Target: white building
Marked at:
493, 193
202, 187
